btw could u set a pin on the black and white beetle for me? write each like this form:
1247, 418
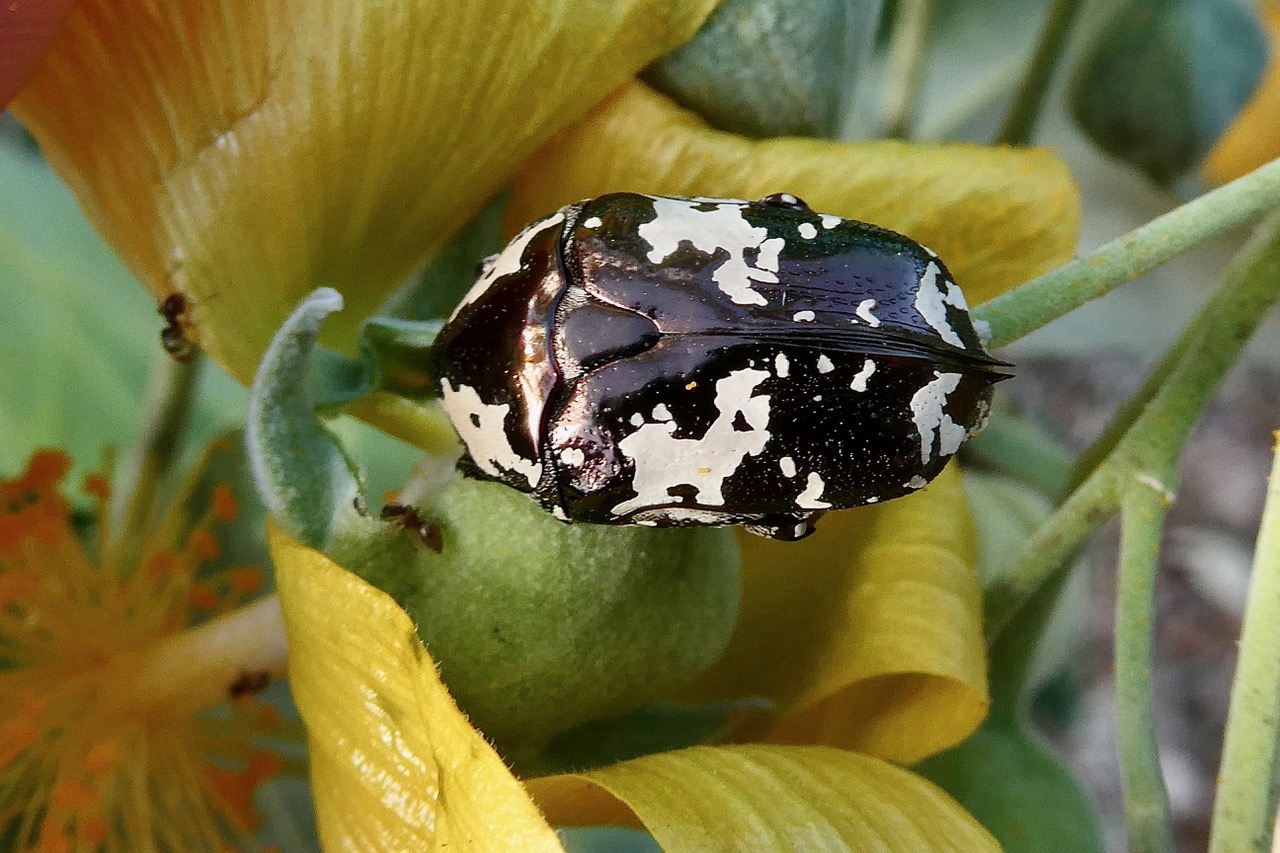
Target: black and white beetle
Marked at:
638, 359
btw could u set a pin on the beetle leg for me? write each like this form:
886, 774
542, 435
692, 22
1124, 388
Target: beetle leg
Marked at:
785, 527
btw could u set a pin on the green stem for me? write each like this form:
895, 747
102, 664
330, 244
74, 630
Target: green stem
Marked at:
1047, 552
1060, 291
1146, 803
142, 473
1244, 810
1214, 339
1020, 121
905, 66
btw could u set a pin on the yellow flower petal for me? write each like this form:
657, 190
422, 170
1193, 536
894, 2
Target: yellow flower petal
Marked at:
765, 798
867, 635
394, 764
1251, 140
244, 153
997, 216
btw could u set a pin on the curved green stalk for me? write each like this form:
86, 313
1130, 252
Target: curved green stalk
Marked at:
1153, 441
1246, 803
1041, 300
1020, 121
1146, 802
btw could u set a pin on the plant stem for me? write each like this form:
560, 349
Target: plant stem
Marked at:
1153, 441
1146, 803
905, 66
141, 474
1058, 292
1244, 810
1020, 121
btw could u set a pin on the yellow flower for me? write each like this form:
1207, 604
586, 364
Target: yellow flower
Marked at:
244, 154
104, 739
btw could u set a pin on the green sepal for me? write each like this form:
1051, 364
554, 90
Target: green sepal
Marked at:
400, 353
773, 67
653, 728
303, 475
1161, 82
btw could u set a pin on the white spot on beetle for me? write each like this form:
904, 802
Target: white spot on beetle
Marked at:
817, 398
572, 456
829, 221
661, 412
482, 428
782, 365
509, 260
662, 460
916, 482
864, 312
803, 316
931, 421
810, 498
932, 300
873, 500
708, 231
788, 466
825, 365
592, 222
637, 419
558, 512
808, 230
769, 251
860, 378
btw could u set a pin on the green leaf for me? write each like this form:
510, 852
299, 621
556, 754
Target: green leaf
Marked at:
1164, 78
765, 798
773, 67
78, 335
1017, 789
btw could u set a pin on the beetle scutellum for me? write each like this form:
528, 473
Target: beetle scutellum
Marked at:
638, 359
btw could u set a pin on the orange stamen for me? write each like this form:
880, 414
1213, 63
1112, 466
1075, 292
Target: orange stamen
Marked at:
224, 503
204, 545
245, 581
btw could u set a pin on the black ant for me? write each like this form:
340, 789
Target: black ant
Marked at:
408, 518
249, 683
173, 337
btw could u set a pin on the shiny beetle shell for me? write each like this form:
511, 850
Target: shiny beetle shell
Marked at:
635, 359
